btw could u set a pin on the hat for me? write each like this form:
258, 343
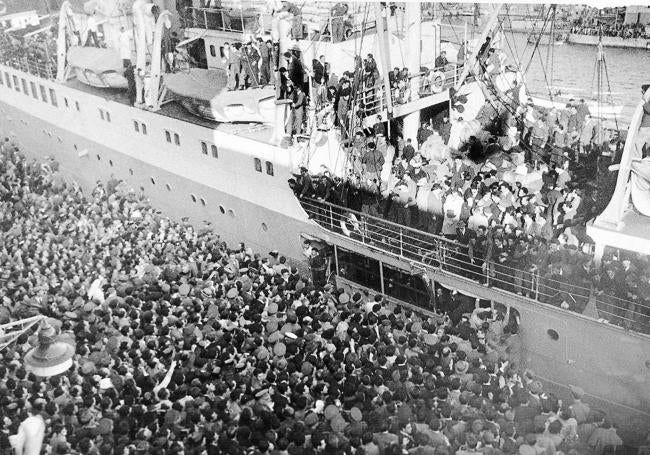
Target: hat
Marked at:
356, 415
184, 289
291, 335
105, 383
272, 308
280, 349
271, 326
311, 419
416, 327
461, 367
274, 337
262, 353
430, 339
232, 293
338, 424
576, 391
344, 298
331, 411
307, 368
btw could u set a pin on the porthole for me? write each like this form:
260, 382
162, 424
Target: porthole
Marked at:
98, 157
231, 213
131, 171
110, 162
49, 133
168, 186
75, 147
142, 189
222, 210
193, 198
265, 227
203, 203
153, 182
553, 334
58, 138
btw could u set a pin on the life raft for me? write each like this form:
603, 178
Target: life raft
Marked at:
437, 79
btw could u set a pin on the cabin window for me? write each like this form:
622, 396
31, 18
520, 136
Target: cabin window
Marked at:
269, 168
213, 51
215, 152
76, 103
43, 93
222, 53
136, 126
405, 287
2, 81
53, 99
359, 269
34, 91
193, 198
8, 79
177, 139
168, 136
108, 116
143, 127
101, 114
25, 89
204, 148
16, 84
65, 101
203, 202
258, 165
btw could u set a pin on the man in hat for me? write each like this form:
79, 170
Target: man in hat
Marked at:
580, 410
297, 112
249, 68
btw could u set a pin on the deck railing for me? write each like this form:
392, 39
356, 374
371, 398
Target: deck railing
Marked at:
440, 253
31, 65
228, 20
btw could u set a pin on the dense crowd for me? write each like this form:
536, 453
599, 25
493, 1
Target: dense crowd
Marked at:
35, 54
513, 185
625, 31
184, 345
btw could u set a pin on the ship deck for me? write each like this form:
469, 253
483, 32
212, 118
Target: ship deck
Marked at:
255, 131
630, 234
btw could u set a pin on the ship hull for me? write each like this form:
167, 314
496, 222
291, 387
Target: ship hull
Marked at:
612, 365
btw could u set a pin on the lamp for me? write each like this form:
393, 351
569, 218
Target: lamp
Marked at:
49, 357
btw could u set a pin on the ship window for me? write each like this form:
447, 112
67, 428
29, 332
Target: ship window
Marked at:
153, 182
76, 103
213, 51
359, 269
34, 91
405, 287
204, 148
203, 203
101, 114
108, 116
269, 168
222, 53
231, 212
258, 165
130, 171
110, 162
98, 157
168, 136
177, 139
16, 84
168, 186
136, 126
553, 334
265, 227
144, 128
65, 101
25, 89
193, 198
222, 210
215, 152
2, 81
43, 93
8, 79
53, 99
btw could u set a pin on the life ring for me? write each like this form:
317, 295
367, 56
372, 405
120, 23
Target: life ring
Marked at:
437, 81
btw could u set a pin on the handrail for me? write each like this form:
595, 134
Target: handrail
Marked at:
223, 19
452, 257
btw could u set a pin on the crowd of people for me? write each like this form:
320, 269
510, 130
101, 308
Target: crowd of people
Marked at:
184, 345
625, 31
515, 189
35, 54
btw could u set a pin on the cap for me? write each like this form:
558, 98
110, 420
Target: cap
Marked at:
280, 349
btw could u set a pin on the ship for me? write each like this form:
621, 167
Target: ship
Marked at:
211, 156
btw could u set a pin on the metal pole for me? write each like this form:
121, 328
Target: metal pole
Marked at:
384, 54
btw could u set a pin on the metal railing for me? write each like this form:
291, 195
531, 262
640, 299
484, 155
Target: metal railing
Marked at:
570, 292
31, 65
228, 20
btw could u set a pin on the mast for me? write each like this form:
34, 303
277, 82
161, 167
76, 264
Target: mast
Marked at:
413, 44
380, 20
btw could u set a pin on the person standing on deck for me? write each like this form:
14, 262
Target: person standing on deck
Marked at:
297, 112
92, 30
337, 15
234, 66
249, 67
129, 75
265, 67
